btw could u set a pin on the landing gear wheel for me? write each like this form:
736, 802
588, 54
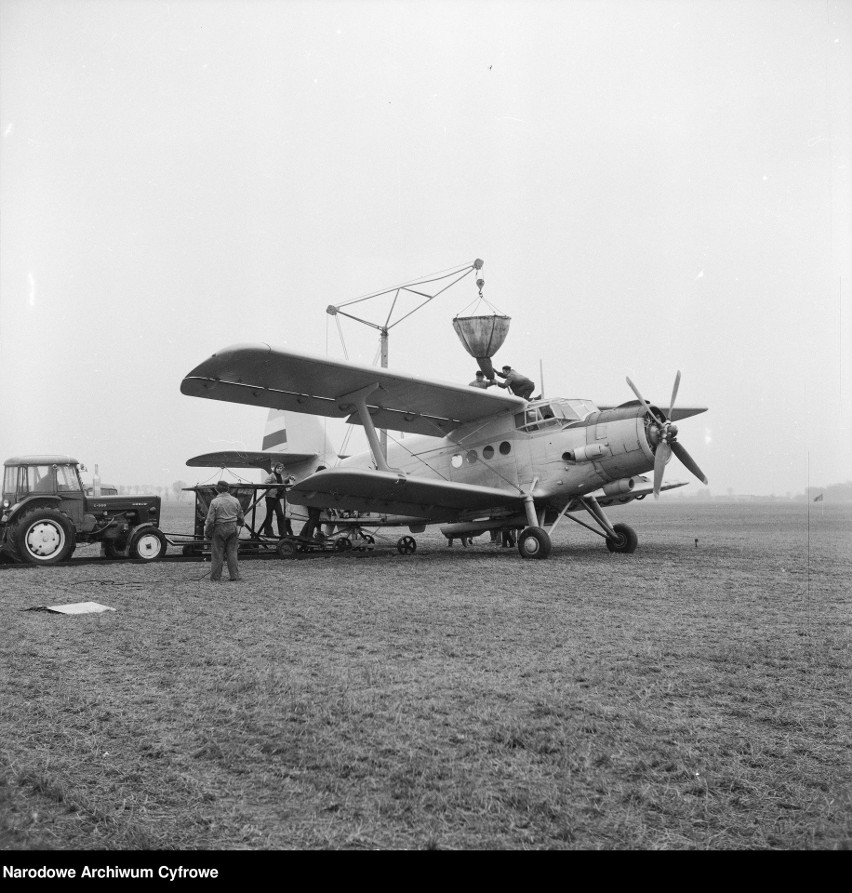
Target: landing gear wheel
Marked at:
627, 539
286, 549
344, 544
534, 543
148, 544
43, 536
113, 550
406, 545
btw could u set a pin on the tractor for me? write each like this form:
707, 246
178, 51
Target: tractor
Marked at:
47, 512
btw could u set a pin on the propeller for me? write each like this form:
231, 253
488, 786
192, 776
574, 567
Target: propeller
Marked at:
666, 435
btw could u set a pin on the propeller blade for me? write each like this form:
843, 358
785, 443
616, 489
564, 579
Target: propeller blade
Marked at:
674, 393
636, 392
660, 459
643, 401
687, 460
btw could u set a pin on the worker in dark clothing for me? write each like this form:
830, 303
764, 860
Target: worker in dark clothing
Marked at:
224, 519
311, 528
481, 381
274, 497
518, 384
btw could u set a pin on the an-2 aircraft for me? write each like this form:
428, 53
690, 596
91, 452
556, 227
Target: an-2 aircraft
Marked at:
481, 460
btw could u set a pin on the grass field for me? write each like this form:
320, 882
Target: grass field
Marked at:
689, 696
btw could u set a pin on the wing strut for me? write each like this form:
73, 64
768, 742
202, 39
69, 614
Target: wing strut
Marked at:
359, 402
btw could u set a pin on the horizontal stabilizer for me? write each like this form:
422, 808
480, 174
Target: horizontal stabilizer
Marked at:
247, 459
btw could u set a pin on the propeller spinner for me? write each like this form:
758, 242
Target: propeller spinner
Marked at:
666, 436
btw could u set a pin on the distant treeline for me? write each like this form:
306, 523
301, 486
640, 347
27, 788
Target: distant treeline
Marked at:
175, 493
832, 493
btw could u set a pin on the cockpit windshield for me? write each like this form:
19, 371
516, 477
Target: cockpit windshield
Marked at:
559, 412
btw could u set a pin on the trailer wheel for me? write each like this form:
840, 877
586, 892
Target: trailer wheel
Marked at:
148, 544
43, 536
286, 549
406, 545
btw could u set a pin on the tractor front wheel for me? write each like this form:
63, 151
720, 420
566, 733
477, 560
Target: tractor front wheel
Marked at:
148, 544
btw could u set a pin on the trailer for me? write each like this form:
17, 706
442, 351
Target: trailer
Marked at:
253, 543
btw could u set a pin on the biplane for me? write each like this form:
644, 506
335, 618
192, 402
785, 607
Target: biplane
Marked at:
479, 461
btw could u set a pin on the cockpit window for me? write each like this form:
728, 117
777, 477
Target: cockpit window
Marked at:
536, 418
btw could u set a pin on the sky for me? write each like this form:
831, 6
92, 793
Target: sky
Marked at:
653, 186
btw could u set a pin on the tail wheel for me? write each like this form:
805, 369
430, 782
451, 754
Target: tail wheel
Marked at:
43, 536
406, 545
626, 541
148, 544
534, 543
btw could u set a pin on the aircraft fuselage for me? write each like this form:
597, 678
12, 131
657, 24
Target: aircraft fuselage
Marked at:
556, 449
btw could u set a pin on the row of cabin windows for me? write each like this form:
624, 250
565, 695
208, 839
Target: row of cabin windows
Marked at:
472, 456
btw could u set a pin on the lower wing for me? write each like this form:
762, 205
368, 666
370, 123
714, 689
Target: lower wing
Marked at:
383, 492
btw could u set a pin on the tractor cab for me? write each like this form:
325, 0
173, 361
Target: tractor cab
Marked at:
44, 476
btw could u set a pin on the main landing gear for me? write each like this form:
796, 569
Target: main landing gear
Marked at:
535, 541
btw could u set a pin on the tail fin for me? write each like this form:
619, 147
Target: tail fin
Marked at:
300, 434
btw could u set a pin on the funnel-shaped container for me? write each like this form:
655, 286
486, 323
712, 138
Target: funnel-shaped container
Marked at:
482, 337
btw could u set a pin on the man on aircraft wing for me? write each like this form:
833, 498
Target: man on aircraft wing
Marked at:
518, 384
481, 381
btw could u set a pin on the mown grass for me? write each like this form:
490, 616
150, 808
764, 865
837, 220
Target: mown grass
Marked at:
687, 696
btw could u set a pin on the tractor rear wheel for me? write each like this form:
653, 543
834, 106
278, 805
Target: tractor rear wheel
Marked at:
43, 536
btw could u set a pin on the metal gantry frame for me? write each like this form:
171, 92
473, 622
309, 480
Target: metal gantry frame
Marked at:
415, 287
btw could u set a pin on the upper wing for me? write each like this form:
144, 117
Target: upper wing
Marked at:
247, 459
260, 375
678, 413
384, 492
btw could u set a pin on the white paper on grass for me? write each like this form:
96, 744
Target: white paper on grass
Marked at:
80, 608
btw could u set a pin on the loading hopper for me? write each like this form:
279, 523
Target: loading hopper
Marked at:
482, 337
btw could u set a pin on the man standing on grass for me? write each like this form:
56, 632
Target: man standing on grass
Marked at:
224, 519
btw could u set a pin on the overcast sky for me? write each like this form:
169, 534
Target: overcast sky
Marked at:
652, 185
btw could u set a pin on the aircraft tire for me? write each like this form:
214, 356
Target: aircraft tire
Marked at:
627, 539
343, 544
534, 542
